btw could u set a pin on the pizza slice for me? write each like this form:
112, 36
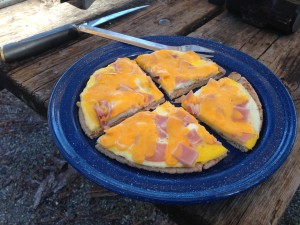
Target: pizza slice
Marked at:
231, 107
114, 93
168, 140
179, 72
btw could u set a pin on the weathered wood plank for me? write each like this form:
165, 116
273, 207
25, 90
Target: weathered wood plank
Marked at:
37, 77
282, 55
32, 17
230, 30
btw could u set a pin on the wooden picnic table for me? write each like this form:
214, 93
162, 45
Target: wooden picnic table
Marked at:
32, 80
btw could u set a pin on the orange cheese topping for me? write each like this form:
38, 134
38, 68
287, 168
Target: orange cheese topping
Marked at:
174, 68
116, 89
136, 138
217, 105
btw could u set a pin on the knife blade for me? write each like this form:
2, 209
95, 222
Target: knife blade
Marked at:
41, 42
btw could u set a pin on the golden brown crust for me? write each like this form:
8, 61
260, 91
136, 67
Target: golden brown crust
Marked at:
172, 170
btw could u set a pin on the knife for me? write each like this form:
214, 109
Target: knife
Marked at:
44, 41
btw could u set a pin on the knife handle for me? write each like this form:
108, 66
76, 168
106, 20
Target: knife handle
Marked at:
38, 43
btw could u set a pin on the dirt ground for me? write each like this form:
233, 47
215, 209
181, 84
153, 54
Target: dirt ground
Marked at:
37, 186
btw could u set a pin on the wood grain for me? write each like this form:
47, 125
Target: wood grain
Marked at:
32, 17
34, 80
282, 56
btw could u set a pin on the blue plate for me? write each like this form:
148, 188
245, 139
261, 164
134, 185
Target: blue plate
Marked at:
236, 173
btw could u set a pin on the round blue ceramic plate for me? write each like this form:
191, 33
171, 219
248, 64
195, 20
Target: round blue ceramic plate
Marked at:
236, 173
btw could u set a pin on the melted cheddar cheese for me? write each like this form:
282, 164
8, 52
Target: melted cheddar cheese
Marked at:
137, 138
227, 107
121, 87
176, 69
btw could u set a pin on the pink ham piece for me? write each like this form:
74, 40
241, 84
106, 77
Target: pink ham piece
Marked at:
148, 98
244, 137
99, 111
185, 155
193, 109
117, 66
99, 74
187, 120
161, 120
174, 56
193, 137
103, 110
161, 123
162, 132
159, 154
243, 110
123, 87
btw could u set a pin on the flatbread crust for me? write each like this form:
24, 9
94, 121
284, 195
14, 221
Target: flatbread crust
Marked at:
171, 170
117, 120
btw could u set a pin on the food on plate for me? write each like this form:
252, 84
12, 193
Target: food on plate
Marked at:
114, 93
168, 140
179, 72
231, 107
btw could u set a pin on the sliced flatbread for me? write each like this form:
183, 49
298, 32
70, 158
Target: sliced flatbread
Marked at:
231, 107
179, 72
114, 93
167, 140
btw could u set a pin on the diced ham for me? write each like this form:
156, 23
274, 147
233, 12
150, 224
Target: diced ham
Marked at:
123, 87
148, 98
162, 132
193, 109
244, 137
161, 124
161, 120
116, 66
159, 154
187, 120
100, 112
243, 111
185, 155
103, 110
174, 56
194, 137
98, 75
